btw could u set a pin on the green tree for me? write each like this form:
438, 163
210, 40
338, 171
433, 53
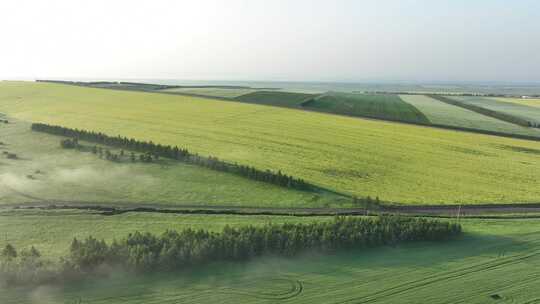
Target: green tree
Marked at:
9, 252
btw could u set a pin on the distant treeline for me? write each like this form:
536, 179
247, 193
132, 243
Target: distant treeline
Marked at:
447, 94
139, 86
146, 86
145, 252
180, 154
484, 111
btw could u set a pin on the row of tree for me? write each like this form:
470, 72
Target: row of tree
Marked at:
73, 143
495, 114
181, 154
25, 267
175, 250
145, 252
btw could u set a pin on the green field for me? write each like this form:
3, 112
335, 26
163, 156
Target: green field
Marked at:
495, 261
389, 107
441, 113
47, 173
397, 162
522, 101
276, 98
519, 110
52, 231
212, 92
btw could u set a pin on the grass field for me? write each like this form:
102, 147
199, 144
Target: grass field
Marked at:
52, 231
519, 110
389, 107
496, 261
444, 114
276, 98
78, 177
212, 92
396, 162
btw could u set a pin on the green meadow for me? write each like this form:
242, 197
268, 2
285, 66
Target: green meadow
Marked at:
52, 231
495, 261
396, 162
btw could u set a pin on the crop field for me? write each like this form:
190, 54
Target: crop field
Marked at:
276, 98
44, 172
389, 107
496, 261
397, 162
521, 101
527, 112
212, 92
441, 113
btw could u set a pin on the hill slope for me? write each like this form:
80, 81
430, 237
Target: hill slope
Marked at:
389, 107
396, 162
275, 98
46, 173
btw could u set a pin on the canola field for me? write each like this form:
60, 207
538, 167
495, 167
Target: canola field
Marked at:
396, 162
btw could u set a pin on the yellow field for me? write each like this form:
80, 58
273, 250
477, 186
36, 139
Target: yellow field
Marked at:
396, 162
525, 102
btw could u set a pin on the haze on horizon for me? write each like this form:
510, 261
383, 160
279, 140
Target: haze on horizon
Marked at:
301, 40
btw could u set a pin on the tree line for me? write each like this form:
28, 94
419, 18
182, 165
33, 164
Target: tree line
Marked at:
114, 84
173, 250
180, 154
73, 143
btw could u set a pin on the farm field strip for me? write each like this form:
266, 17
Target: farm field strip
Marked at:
496, 104
441, 113
212, 92
276, 98
521, 101
397, 162
389, 107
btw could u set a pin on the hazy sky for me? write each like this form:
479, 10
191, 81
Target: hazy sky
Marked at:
333, 40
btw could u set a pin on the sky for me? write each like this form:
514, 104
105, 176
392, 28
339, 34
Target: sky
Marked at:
283, 40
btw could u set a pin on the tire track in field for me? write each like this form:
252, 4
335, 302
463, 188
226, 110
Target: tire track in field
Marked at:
437, 278
294, 289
